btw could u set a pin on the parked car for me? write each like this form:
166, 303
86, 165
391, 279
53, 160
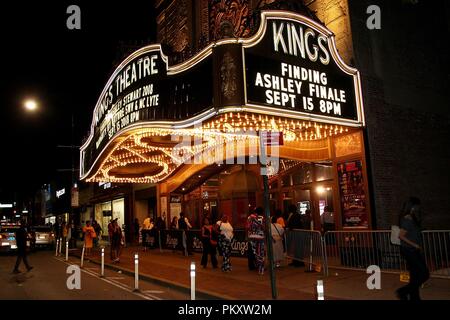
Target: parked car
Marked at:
44, 236
8, 238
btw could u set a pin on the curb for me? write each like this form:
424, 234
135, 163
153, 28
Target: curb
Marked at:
200, 293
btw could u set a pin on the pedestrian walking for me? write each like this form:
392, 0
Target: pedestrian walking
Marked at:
255, 233
209, 243
411, 250
21, 242
225, 238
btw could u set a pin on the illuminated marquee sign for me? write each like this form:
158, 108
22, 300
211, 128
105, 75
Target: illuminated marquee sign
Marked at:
292, 64
145, 89
290, 68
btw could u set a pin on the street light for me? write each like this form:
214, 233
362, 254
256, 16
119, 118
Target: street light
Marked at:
30, 105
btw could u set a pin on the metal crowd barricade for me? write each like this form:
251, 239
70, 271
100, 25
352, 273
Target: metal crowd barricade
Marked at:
436, 248
306, 246
358, 249
172, 239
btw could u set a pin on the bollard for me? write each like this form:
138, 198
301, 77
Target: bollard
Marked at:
60, 246
136, 272
320, 291
102, 273
192, 280
57, 246
67, 250
82, 257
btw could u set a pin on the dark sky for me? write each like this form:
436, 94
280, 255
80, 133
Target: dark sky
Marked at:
65, 70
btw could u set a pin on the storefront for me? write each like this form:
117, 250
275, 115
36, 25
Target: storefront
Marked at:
194, 130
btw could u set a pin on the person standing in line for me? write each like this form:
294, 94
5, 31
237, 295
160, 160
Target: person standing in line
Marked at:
110, 232
21, 242
117, 241
174, 223
327, 219
98, 232
146, 227
209, 244
277, 237
256, 235
225, 238
136, 228
279, 218
183, 224
295, 222
89, 235
250, 247
411, 250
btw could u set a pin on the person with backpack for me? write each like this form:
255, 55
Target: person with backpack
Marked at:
411, 250
209, 242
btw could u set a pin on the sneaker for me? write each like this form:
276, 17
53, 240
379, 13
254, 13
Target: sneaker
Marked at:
16, 271
29, 269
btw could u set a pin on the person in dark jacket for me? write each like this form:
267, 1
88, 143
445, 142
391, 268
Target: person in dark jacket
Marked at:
21, 242
295, 222
411, 250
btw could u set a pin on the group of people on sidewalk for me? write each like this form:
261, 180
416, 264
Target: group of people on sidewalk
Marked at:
93, 232
218, 236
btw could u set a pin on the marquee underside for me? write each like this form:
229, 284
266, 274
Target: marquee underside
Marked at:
152, 154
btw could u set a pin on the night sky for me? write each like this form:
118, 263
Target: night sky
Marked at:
65, 71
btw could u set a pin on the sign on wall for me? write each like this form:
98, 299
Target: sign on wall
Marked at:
353, 198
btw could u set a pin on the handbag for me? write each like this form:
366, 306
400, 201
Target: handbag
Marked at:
395, 235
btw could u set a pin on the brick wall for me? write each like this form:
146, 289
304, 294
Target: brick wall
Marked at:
404, 68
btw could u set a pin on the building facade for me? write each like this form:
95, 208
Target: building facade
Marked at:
362, 114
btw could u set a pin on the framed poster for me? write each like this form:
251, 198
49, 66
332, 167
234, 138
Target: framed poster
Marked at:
352, 194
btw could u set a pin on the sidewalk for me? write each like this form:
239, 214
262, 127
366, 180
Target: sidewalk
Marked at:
172, 268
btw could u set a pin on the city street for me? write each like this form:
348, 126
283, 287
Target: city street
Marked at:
47, 281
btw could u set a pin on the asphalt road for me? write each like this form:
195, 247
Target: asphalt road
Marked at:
48, 281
